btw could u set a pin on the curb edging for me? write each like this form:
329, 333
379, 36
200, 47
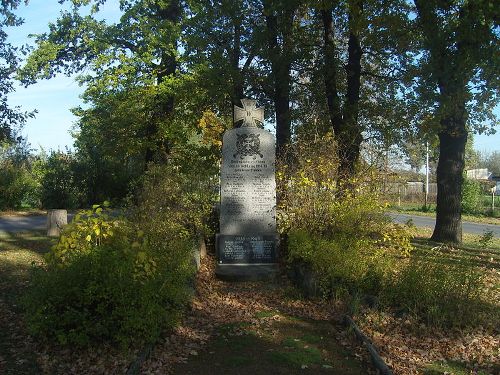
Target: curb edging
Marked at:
376, 358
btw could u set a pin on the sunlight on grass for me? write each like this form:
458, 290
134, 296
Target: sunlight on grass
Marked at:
455, 368
469, 240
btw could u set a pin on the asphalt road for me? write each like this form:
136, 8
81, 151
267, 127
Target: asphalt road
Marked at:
21, 223
427, 221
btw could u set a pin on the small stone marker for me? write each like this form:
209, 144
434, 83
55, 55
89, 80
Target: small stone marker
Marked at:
247, 242
56, 219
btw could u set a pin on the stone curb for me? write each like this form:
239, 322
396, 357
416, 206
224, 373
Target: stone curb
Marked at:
135, 367
376, 359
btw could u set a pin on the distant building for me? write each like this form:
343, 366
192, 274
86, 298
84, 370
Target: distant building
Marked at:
478, 174
496, 179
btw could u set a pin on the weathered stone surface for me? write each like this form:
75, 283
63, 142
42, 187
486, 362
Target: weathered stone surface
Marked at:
247, 243
56, 219
248, 187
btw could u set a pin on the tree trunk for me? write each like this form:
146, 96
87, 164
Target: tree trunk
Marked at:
280, 66
330, 72
449, 175
163, 106
350, 137
451, 74
344, 120
236, 75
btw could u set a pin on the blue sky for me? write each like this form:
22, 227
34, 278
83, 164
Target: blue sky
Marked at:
53, 98
50, 129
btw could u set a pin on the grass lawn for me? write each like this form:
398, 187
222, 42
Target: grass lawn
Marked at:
411, 344
285, 345
469, 240
17, 253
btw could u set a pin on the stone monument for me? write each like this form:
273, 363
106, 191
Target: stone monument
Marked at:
247, 243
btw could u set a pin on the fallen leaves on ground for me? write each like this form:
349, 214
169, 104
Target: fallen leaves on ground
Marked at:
408, 346
220, 303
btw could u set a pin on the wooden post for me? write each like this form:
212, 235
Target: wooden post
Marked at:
493, 190
56, 219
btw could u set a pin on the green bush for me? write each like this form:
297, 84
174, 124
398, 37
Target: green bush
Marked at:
176, 200
337, 227
107, 280
471, 196
20, 177
438, 291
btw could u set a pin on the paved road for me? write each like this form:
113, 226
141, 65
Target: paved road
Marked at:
21, 223
39, 222
427, 221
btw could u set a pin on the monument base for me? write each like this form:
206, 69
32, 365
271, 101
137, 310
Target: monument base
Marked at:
247, 272
247, 258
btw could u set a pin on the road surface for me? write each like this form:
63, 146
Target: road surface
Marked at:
22, 223
428, 221
19, 223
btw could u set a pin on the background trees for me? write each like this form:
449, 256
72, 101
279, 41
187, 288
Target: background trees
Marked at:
459, 82
10, 117
163, 76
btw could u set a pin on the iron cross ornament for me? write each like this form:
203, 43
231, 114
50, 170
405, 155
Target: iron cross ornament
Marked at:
250, 114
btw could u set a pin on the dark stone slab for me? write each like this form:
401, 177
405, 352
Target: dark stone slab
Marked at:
244, 249
247, 272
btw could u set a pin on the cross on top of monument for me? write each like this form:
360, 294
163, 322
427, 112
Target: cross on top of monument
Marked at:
250, 114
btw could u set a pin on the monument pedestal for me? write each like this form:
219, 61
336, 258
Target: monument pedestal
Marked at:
247, 272
247, 257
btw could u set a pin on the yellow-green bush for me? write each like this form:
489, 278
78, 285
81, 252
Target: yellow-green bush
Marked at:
337, 226
104, 281
340, 231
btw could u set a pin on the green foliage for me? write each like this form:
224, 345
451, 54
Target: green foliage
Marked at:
440, 292
13, 186
11, 118
108, 279
340, 230
471, 196
59, 187
89, 228
20, 176
177, 198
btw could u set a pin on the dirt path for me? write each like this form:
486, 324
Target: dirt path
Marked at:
256, 328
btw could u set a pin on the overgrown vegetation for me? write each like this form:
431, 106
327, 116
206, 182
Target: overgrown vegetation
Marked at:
103, 281
123, 279
340, 230
471, 196
342, 233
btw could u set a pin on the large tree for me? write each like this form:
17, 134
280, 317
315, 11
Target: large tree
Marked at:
366, 44
221, 48
280, 18
139, 52
10, 117
459, 83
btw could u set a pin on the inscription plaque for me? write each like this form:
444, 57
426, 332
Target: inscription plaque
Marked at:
247, 249
248, 187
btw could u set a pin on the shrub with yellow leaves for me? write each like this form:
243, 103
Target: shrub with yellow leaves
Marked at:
106, 280
337, 226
